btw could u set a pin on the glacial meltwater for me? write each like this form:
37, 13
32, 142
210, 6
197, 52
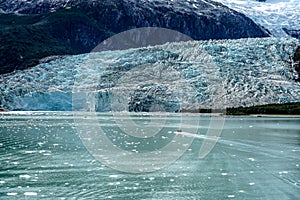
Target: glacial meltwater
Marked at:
48, 155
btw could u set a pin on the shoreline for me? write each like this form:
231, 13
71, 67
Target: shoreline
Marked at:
274, 115
186, 113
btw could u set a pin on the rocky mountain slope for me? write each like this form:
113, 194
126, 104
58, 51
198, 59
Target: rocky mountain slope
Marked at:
34, 29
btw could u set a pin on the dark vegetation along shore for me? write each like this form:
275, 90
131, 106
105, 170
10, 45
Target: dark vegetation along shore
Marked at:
280, 109
270, 109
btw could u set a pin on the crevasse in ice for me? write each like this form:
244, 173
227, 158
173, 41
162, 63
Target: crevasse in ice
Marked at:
169, 77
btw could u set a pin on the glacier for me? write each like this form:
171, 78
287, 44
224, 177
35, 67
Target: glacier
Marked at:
182, 75
274, 15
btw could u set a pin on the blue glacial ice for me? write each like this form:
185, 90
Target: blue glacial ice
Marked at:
169, 77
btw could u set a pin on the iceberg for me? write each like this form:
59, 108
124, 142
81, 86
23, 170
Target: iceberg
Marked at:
170, 77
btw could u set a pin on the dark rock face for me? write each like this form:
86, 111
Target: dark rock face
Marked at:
208, 20
296, 60
3, 109
292, 33
77, 26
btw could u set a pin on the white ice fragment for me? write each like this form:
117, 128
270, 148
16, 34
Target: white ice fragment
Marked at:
11, 193
30, 193
25, 176
284, 172
251, 159
30, 151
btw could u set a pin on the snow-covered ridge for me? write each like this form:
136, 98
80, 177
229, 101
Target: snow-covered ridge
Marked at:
187, 74
274, 15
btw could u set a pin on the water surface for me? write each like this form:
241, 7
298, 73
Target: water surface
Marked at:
42, 156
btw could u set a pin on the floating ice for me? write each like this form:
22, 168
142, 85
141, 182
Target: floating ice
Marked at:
11, 193
25, 176
30, 193
113, 176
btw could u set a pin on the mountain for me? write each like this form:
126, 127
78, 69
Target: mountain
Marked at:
33, 29
170, 77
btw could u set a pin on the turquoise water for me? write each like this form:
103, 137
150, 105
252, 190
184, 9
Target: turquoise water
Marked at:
43, 157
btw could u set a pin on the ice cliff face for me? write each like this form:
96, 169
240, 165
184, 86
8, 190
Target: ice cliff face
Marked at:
211, 74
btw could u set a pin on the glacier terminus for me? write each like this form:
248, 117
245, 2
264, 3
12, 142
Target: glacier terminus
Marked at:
180, 75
